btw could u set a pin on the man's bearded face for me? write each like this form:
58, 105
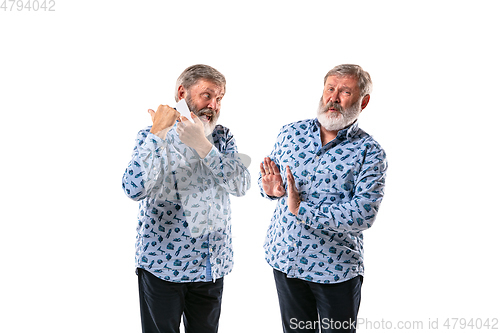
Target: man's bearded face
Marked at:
208, 116
340, 118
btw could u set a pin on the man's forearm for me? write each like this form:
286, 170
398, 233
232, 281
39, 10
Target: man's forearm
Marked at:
161, 133
203, 149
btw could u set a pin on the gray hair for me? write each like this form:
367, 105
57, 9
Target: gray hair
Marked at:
192, 74
364, 79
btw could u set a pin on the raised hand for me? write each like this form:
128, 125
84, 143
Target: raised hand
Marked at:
293, 194
193, 135
272, 183
163, 120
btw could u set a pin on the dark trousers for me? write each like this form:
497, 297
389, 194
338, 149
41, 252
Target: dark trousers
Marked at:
308, 306
163, 304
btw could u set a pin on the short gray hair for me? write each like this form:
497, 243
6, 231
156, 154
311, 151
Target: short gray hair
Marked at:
192, 74
364, 79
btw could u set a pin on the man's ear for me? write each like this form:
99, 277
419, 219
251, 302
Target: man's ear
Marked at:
181, 93
365, 101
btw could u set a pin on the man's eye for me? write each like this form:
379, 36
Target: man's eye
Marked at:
206, 95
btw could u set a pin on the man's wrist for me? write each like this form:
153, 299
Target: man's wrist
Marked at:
296, 208
204, 149
161, 133
294, 205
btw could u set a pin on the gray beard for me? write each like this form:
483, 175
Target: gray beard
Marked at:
336, 123
210, 126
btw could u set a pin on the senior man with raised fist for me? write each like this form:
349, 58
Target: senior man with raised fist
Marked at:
182, 173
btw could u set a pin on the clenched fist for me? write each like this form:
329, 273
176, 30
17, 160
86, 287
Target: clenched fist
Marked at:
163, 120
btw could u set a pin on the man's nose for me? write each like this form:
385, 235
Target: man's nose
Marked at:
214, 105
334, 97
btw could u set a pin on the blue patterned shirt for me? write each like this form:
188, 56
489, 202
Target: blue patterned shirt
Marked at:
341, 185
184, 229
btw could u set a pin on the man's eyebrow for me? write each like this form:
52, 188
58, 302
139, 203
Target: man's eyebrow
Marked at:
212, 91
341, 87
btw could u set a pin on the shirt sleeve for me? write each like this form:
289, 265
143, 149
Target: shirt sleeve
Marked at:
360, 212
145, 170
227, 168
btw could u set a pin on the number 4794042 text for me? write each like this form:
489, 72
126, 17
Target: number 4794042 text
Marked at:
28, 5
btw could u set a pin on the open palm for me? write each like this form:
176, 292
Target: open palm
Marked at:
272, 183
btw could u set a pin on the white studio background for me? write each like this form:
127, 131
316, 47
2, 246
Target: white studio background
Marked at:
75, 86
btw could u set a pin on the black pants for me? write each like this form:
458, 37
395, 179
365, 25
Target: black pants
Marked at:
163, 304
308, 306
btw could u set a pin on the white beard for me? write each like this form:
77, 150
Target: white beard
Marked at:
209, 128
338, 120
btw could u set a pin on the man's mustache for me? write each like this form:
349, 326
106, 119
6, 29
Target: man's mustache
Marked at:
205, 112
336, 106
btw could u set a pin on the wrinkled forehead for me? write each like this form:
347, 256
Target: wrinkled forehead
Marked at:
348, 81
203, 85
